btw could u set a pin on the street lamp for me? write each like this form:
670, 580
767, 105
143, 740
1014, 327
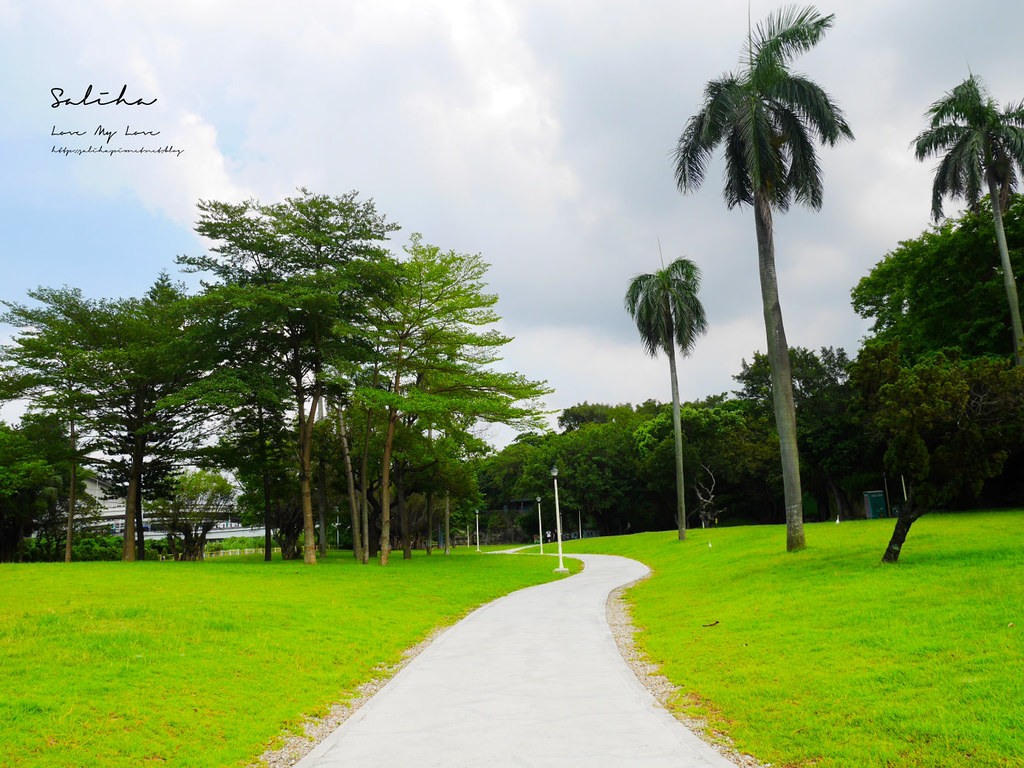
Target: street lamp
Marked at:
558, 524
477, 530
540, 528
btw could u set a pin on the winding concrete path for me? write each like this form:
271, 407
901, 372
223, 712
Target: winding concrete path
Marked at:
533, 679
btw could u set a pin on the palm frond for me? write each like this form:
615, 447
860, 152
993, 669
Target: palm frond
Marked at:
784, 34
814, 106
738, 189
804, 176
703, 132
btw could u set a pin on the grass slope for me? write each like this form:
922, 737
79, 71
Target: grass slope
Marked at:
201, 664
828, 658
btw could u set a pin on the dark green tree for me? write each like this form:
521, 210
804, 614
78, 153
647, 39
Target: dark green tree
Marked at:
982, 147
948, 423
935, 291
144, 357
29, 485
837, 457
767, 117
47, 367
667, 313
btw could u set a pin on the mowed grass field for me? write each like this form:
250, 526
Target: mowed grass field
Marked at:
202, 664
828, 658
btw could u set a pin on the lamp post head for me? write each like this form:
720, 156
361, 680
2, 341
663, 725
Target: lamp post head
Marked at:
538, 499
554, 471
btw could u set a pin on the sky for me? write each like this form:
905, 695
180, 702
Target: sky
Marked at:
538, 133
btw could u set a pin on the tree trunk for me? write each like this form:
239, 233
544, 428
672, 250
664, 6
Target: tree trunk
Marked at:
677, 431
364, 481
71, 493
140, 530
268, 534
899, 536
1009, 283
357, 540
321, 501
305, 456
268, 539
430, 521
134, 489
782, 378
385, 490
447, 523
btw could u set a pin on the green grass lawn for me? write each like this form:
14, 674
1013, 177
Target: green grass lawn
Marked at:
202, 664
828, 658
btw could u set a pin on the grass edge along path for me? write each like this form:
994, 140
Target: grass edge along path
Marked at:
829, 658
204, 664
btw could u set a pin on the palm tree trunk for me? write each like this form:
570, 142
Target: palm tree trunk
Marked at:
677, 429
782, 377
1009, 283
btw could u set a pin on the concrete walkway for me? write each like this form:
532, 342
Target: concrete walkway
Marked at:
532, 679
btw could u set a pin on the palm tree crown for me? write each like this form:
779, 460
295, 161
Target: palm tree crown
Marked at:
981, 145
666, 308
766, 116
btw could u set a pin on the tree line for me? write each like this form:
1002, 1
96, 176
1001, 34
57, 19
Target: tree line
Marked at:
313, 365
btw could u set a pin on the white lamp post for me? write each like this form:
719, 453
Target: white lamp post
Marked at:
558, 524
540, 528
477, 530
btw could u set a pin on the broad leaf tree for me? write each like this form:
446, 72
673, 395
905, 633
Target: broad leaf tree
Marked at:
767, 119
436, 349
949, 424
296, 275
934, 291
982, 148
198, 501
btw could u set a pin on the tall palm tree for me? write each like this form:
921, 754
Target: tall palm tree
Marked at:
767, 117
668, 313
983, 147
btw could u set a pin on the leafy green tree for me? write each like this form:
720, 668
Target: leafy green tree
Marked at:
667, 312
981, 147
27, 482
296, 275
766, 117
837, 456
144, 357
199, 500
949, 424
436, 352
47, 360
933, 291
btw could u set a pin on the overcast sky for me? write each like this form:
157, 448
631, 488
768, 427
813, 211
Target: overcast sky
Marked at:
538, 134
